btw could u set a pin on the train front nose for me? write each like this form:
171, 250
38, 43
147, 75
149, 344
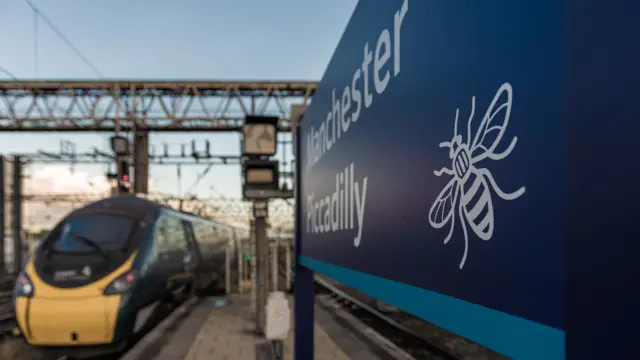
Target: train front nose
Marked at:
68, 322
50, 315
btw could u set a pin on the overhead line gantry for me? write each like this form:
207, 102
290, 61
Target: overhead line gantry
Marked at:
145, 105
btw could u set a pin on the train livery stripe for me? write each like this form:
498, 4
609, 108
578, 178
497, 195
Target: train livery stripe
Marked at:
183, 275
510, 335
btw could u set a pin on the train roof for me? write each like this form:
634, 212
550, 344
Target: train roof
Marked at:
193, 217
133, 206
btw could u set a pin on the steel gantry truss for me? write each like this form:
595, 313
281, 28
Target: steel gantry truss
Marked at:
128, 105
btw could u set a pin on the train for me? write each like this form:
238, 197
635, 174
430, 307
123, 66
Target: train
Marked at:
89, 280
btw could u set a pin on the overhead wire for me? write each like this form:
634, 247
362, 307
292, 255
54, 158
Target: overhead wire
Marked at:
37, 13
63, 37
8, 73
36, 57
198, 179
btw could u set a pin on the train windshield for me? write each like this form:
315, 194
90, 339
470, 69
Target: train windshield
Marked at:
95, 233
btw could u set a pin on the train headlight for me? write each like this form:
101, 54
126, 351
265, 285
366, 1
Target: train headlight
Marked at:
24, 287
122, 284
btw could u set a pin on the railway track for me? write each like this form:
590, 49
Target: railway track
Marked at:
6, 306
7, 316
419, 339
413, 344
384, 327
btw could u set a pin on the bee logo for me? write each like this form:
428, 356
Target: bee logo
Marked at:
468, 192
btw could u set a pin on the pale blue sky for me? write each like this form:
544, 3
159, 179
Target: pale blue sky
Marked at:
180, 39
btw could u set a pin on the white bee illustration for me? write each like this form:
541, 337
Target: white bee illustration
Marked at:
469, 188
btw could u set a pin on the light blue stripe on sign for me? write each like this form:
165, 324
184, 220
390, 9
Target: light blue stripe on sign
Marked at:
518, 338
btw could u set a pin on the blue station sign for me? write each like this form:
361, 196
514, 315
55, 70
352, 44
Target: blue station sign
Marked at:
432, 176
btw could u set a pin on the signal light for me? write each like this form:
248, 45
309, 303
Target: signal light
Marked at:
123, 166
123, 177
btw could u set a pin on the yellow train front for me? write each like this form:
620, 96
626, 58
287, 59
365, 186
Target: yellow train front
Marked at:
90, 279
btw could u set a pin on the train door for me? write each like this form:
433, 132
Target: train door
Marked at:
164, 265
192, 258
178, 256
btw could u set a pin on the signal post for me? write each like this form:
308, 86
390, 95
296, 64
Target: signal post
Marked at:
120, 147
261, 182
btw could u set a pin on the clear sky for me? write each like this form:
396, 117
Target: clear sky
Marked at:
163, 39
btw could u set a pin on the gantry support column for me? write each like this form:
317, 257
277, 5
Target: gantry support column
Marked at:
16, 231
141, 162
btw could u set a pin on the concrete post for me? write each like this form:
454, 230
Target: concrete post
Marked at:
141, 162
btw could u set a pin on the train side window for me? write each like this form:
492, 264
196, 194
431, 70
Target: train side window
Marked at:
223, 236
178, 237
197, 234
203, 233
163, 242
216, 234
